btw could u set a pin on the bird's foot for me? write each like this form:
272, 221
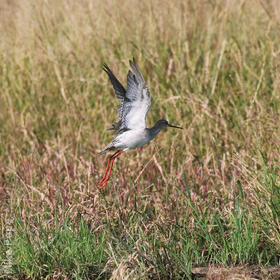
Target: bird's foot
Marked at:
102, 183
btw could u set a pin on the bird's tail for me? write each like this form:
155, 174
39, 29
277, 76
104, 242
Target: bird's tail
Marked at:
106, 149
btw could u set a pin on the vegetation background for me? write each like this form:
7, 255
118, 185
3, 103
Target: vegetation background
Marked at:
207, 196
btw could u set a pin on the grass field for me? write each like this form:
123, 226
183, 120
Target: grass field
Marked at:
201, 202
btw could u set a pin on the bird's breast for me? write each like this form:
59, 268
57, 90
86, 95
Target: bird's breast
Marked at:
132, 139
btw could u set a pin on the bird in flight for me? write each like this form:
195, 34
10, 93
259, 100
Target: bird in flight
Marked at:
131, 130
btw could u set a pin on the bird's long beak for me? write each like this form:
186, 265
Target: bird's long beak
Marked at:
170, 125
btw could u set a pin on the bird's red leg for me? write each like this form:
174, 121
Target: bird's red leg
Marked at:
114, 156
110, 162
108, 171
106, 177
104, 182
111, 167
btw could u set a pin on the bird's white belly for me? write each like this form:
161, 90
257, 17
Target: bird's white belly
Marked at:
131, 139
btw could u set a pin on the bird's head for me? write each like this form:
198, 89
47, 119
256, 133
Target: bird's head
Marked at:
161, 124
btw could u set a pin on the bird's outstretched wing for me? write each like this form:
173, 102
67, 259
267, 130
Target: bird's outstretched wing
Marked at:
138, 102
135, 101
120, 94
118, 87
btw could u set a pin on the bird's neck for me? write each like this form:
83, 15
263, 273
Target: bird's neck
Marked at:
153, 131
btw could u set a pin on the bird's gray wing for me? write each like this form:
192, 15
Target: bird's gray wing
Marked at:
120, 94
137, 102
118, 87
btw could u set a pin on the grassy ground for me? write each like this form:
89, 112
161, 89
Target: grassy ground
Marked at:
207, 196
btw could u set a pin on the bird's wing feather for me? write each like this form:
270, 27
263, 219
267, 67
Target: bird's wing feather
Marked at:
120, 94
118, 87
137, 102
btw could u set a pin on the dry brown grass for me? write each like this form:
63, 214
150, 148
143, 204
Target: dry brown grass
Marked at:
212, 67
